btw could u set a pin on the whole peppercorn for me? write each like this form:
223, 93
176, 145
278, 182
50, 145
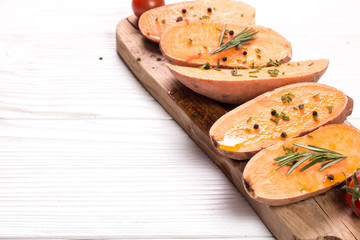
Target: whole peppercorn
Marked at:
224, 59
315, 113
209, 10
244, 53
183, 11
331, 177
231, 32
256, 126
273, 112
301, 106
283, 134
207, 67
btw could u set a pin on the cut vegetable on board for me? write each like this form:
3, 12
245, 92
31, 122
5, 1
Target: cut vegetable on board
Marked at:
154, 22
303, 167
275, 116
237, 86
231, 45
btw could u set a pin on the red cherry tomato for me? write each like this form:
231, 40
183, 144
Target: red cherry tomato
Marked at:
353, 193
141, 6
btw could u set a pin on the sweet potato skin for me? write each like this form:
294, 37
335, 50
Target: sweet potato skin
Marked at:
273, 187
190, 43
224, 87
155, 21
262, 105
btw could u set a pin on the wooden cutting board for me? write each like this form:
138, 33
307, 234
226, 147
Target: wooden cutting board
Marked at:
322, 217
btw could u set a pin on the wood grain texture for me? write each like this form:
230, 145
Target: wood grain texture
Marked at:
308, 219
87, 153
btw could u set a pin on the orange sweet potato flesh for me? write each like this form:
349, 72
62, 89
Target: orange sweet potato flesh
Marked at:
274, 187
155, 21
177, 47
234, 134
223, 86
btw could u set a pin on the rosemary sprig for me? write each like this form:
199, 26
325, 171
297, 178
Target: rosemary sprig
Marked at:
222, 36
317, 155
242, 38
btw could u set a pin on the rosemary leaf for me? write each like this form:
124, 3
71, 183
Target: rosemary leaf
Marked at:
242, 38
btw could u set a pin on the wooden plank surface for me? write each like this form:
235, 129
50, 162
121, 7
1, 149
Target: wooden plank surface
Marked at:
309, 219
87, 153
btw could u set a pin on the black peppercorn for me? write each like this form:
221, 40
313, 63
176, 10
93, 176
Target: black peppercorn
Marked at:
283, 134
244, 53
184, 10
207, 67
179, 19
295, 162
273, 112
224, 59
315, 113
256, 126
231, 32
331, 177
301, 106
209, 9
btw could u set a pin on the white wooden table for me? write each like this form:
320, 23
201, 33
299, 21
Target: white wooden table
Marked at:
86, 152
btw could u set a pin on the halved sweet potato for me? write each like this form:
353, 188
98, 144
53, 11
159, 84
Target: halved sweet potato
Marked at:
226, 86
283, 113
266, 184
190, 43
155, 21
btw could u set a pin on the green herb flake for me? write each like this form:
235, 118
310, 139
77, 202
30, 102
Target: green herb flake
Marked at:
257, 50
315, 118
138, 59
258, 56
286, 98
248, 119
163, 21
276, 120
190, 40
272, 63
100, 58
244, 61
156, 19
254, 71
205, 17
310, 136
195, 115
316, 95
273, 73
205, 66
330, 107
248, 129
199, 53
218, 62
217, 69
310, 64
253, 76
295, 108
158, 59
205, 47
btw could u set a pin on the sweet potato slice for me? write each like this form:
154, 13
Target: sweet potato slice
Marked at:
227, 86
266, 184
235, 134
155, 21
190, 43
